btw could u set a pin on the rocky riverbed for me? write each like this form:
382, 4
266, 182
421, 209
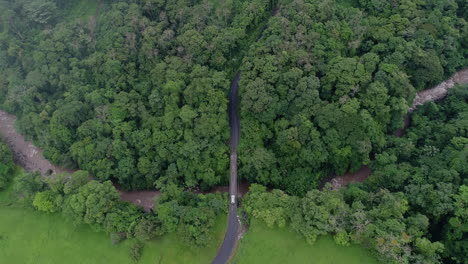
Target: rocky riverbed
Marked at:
432, 94
30, 157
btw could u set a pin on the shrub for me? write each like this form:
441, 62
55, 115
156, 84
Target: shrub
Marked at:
27, 185
116, 238
146, 229
47, 201
342, 238
135, 251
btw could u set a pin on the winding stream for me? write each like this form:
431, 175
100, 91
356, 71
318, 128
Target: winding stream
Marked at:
30, 158
432, 94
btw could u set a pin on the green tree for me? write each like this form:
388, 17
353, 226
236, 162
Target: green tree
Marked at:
6, 165
92, 203
455, 244
26, 185
41, 11
75, 181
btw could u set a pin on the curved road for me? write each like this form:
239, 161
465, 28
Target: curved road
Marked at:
230, 238
232, 231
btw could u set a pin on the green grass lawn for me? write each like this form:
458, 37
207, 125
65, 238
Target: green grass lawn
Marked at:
273, 245
28, 236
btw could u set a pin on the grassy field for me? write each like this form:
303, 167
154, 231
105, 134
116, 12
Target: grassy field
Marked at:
270, 246
27, 236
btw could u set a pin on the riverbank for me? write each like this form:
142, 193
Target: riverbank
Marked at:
28, 156
435, 93
439, 91
25, 153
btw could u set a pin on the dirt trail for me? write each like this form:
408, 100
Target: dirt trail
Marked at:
433, 94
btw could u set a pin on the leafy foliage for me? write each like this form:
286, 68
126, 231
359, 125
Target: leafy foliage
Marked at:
47, 201
26, 185
328, 80
189, 214
378, 221
6, 165
99, 205
140, 97
92, 203
429, 166
412, 209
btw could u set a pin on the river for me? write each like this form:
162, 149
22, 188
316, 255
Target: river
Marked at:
435, 93
30, 158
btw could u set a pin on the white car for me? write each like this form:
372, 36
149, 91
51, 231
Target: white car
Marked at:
233, 199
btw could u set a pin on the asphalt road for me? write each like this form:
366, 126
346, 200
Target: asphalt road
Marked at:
230, 238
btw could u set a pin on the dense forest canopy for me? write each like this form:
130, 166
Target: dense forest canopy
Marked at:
137, 93
412, 209
329, 80
137, 90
